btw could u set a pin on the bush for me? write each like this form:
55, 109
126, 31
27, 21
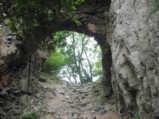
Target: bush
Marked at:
136, 117
30, 115
53, 63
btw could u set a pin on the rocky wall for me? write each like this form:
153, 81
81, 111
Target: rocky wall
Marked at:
135, 46
18, 73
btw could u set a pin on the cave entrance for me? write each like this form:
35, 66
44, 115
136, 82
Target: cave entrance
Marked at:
74, 57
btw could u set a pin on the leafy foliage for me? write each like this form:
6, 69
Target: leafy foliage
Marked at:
136, 117
98, 68
24, 15
154, 7
30, 115
58, 40
53, 63
76, 58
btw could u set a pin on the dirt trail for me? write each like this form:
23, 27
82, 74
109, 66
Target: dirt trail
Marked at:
62, 100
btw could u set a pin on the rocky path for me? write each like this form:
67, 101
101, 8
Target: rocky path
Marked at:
61, 100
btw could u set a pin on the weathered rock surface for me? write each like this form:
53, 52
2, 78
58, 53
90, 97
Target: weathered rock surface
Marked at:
135, 46
14, 74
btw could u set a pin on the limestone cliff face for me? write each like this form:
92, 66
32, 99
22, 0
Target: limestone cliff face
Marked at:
135, 46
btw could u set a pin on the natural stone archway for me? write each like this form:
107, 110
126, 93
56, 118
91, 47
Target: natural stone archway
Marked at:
92, 15
22, 62
129, 43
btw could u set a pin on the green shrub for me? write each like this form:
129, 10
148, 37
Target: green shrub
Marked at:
53, 63
136, 117
30, 115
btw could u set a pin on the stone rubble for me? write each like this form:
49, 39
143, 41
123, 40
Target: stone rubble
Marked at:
72, 101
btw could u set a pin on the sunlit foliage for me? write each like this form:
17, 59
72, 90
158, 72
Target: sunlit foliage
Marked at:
76, 59
54, 63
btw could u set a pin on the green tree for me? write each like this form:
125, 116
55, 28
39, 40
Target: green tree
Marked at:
74, 57
58, 40
55, 61
78, 55
53, 64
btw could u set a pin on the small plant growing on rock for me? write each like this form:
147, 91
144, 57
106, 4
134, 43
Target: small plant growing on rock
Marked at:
136, 117
30, 115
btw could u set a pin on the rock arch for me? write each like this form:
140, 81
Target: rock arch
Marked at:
93, 17
129, 43
16, 64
